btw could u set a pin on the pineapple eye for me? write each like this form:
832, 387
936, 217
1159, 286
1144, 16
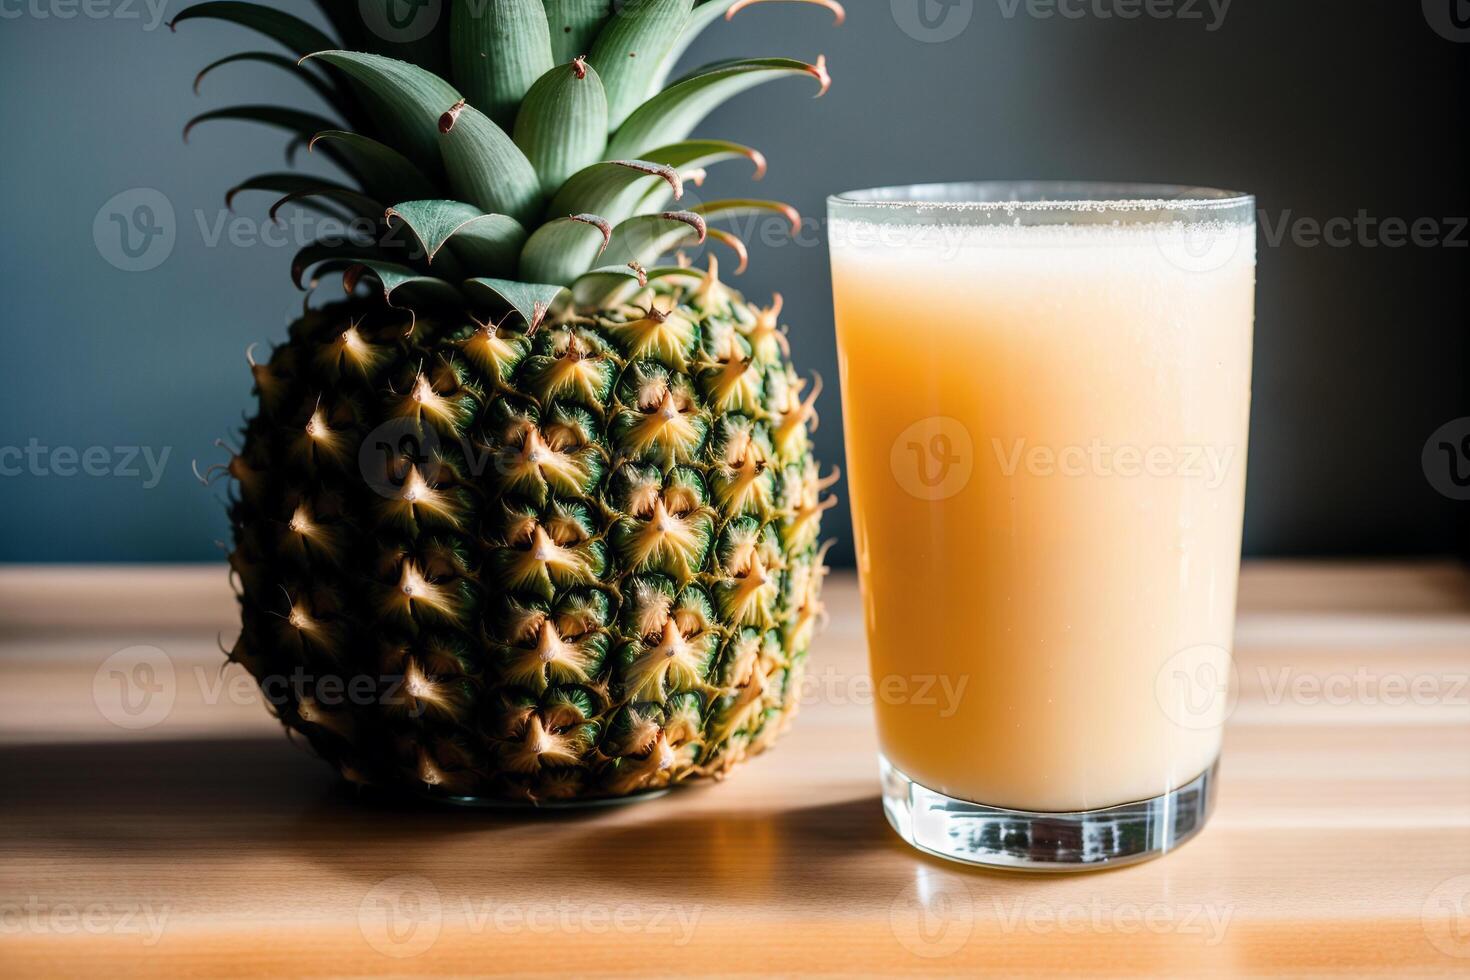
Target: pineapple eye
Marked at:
643, 500
680, 501
520, 532
565, 531
560, 438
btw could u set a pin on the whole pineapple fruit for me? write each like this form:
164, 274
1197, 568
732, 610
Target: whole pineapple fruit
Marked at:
525, 517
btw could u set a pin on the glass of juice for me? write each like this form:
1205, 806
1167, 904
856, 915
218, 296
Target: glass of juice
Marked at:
1046, 396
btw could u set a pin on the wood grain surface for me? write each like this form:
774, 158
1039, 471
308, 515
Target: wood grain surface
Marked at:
187, 836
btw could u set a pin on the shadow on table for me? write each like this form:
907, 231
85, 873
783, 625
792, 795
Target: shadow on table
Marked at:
269, 798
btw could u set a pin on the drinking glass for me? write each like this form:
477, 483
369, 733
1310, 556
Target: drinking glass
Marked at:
1046, 395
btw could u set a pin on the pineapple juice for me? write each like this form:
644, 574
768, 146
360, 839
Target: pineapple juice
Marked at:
1046, 432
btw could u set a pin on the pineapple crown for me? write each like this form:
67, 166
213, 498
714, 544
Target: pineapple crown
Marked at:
534, 148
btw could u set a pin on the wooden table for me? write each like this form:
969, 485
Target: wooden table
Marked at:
201, 841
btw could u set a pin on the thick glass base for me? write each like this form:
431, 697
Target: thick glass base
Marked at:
1021, 840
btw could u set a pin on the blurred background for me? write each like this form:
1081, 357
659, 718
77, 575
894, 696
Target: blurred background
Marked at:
123, 364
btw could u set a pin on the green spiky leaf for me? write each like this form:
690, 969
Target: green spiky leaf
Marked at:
325, 92
709, 11
630, 47
286, 29
500, 48
620, 189
562, 250
309, 192
607, 286
529, 299
562, 125
673, 113
393, 277
486, 168
488, 244
282, 183
573, 25
330, 255
357, 204
407, 100
386, 172
302, 124
643, 239
613, 189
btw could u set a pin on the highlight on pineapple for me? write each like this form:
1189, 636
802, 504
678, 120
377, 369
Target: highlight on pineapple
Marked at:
526, 516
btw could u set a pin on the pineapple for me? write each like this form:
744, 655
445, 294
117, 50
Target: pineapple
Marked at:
525, 516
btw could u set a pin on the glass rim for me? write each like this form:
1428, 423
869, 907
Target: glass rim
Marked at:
1065, 196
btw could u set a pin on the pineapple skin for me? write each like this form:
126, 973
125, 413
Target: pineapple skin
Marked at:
571, 564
